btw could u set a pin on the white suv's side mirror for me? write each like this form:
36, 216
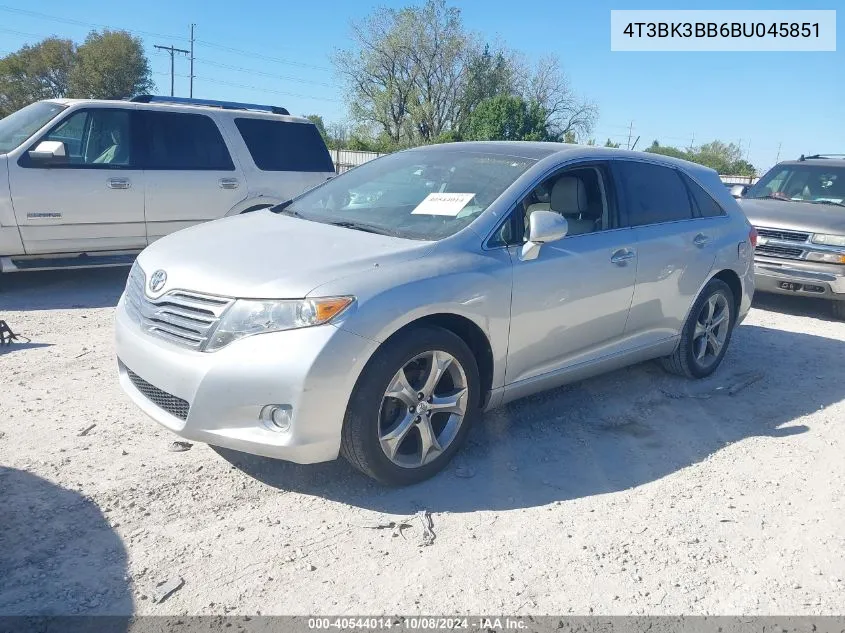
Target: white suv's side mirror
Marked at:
543, 227
49, 152
737, 191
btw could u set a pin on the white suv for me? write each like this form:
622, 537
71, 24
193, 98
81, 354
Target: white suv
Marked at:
92, 183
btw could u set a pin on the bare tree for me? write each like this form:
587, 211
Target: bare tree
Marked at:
549, 86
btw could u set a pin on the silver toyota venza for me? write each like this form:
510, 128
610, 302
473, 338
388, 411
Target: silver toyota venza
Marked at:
380, 313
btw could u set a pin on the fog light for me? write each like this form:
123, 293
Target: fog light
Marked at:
277, 416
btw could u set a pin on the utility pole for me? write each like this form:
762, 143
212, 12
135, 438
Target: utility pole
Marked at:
777, 160
172, 51
191, 92
630, 133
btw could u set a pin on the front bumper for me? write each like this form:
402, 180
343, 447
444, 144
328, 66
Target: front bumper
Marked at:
312, 370
791, 278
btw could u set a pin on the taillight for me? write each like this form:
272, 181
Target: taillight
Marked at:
752, 237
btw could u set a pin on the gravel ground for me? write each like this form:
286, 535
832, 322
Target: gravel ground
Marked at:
632, 493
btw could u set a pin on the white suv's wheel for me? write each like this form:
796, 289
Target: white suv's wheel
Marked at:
412, 407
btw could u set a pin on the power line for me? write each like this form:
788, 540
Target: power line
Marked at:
288, 94
56, 18
267, 58
263, 74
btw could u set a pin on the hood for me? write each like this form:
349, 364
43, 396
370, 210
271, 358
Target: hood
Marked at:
797, 216
263, 255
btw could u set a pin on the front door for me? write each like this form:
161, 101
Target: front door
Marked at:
94, 201
570, 304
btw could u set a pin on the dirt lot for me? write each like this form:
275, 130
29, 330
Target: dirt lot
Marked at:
633, 493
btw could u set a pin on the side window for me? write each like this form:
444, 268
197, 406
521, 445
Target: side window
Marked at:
653, 193
96, 138
284, 145
184, 142
704, 203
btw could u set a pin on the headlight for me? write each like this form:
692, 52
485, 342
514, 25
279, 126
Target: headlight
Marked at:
247, 317
830, 240
830, 258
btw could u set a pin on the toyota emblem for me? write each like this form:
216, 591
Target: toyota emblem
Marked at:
157, 280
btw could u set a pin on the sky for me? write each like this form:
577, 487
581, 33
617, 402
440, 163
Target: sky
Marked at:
774, 105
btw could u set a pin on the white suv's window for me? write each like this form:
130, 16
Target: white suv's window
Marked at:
184, 142
285, 145
97, 137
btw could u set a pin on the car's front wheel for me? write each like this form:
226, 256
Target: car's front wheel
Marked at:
706, 334
412, 406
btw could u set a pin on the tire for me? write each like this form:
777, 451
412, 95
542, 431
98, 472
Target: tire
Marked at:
372, 415
838, 308
684, 360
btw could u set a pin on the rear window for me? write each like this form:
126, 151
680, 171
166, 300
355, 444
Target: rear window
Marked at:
285, 146
654, 194
705, 205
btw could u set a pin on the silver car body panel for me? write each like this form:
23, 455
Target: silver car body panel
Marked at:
568, 314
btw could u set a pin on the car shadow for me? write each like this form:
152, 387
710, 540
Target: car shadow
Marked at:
58, 555
798, 305
584, 439
62, 289
15, 346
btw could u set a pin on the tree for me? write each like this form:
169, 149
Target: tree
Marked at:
35, 72
488, 74
110, 65
610, 143
725, 158
549, 86
507, 118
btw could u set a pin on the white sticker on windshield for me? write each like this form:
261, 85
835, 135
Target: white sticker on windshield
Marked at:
443, 204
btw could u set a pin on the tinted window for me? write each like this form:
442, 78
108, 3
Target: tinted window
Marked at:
184, 141
705, 205
823, 183
285, 146
94, 138
653, 193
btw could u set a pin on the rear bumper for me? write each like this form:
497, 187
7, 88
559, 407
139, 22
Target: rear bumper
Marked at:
217, 397
825, 281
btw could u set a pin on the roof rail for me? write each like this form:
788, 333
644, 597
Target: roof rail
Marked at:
802, 157
211, 103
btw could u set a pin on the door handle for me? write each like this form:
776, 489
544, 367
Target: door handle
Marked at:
622, 256
701, 240
118, 183
228, 183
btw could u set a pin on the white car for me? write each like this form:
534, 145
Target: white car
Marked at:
91, 183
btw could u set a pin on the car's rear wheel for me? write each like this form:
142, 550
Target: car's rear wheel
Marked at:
838, 308
706, 334
412, 407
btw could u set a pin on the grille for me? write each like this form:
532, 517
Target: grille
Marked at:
779, 251
180, 316
786, 236
163, 400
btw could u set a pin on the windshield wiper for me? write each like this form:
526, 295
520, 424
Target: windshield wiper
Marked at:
367, 228
833, 202
283, 207
771, 197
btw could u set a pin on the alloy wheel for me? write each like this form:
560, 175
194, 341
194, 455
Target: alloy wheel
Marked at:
711, 329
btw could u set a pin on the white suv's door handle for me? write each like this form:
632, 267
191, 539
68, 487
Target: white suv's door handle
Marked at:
701, 240
622, 256
119, 183
228, 183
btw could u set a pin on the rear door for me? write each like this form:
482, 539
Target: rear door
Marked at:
189, 171
675, 245
92, 202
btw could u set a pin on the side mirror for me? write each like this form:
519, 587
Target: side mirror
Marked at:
737, 191
543, 227
49, 152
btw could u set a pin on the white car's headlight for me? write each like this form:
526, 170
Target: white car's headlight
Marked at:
247, 317
830, 240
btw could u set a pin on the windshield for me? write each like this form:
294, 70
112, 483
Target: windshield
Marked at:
802, 183
16, 128
422, 194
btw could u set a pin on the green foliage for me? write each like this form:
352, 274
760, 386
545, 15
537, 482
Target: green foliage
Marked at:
317, 120
569, 137
449, 136
725, 158
507, 118
110, 65
610, 143
36, 72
